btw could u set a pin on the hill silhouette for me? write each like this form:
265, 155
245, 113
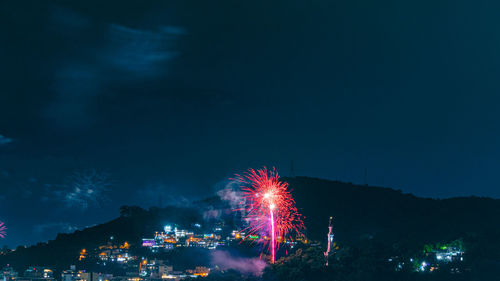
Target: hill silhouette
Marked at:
386, 214
362, 214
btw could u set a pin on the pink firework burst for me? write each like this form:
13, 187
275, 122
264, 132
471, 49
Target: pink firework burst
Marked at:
269, 206
3, 230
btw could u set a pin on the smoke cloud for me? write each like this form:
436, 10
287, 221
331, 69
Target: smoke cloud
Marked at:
248, 266
233, 197
228, 191
232, 194
212, 214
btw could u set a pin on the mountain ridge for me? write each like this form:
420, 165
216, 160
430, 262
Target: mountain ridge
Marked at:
362, 214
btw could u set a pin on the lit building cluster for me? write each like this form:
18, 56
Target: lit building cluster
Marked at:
173, 237
148, 270
439, 257
8, 273
115, 253
109, 253
433, 260
159, 269
32, 273
141, 268
242, 236
448, 255
82, 275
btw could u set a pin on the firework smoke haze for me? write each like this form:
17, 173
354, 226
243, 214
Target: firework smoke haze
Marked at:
248, 266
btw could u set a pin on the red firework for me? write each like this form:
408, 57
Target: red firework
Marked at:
269, 206
3, 230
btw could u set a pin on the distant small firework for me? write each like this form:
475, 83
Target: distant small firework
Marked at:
3, 230
269, 206
85, 188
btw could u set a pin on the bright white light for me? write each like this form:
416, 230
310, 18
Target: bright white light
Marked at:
272, 206
439, 257
267, 195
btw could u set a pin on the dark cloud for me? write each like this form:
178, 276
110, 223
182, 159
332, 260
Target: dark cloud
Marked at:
5, 140
140, 52
113, 56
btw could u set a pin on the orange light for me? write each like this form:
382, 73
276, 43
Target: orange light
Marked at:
125, 245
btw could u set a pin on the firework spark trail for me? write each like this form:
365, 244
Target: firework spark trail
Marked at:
269, 206
3, 230
272, 234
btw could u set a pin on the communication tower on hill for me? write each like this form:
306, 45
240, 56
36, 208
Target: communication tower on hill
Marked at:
330, 240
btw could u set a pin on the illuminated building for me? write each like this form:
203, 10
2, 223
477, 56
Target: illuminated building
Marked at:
126, 278
147, 242
235, 234
179, 233
83, 254
200, 271
114, 253
155, 269
125, 246
8, 274
448, 255
38, 273
83, 275
69, 275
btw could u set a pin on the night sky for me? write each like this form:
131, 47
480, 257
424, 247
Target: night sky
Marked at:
160, 102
